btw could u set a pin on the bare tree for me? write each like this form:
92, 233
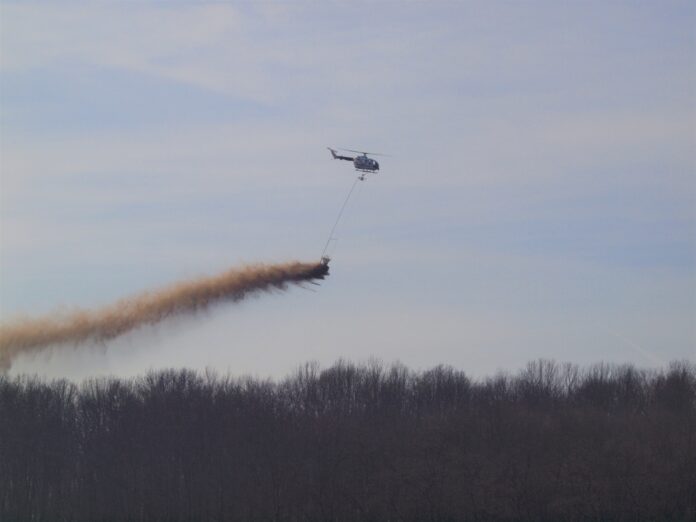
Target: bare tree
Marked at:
353, 442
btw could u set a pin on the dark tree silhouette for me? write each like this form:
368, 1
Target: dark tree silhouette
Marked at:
611, 443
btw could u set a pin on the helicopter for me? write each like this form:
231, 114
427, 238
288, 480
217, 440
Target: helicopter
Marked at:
361, 163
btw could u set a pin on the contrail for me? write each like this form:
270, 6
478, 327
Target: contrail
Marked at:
32, 335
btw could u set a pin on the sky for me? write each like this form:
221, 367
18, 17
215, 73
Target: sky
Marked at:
538, 200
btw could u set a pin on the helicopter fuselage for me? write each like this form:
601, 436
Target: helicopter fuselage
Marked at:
365, 164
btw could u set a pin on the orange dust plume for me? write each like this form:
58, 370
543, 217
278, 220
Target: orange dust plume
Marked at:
31, 335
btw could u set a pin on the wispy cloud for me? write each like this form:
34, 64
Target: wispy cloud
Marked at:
543, 146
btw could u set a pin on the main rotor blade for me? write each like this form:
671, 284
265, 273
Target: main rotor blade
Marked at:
363, 152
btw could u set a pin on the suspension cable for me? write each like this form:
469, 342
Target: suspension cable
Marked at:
340, 213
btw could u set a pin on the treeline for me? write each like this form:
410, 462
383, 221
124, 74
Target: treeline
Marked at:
363, 443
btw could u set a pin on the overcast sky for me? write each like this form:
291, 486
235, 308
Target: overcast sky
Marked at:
539, 200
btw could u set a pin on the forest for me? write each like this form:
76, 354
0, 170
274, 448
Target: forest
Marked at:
353, 442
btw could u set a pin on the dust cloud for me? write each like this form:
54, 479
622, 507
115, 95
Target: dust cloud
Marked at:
30, 335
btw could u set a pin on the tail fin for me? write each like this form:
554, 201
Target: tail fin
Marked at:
338, 156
